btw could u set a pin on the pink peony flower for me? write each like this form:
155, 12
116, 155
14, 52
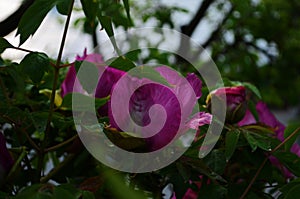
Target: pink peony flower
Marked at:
178, 100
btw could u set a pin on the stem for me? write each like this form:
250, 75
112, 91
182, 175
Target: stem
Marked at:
265, 161
61, 144
58, 168
30, 140
17, 162
55, 82
22, 49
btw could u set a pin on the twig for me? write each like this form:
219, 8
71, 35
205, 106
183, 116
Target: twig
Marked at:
22, 49
57, 169
61, 144
265, 161
33, 144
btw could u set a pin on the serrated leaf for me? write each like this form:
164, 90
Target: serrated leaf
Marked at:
121, 63
290, 160
4, 44
63, 6
35, 65
33, 17
231, 141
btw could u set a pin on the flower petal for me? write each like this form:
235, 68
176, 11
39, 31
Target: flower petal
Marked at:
199, 119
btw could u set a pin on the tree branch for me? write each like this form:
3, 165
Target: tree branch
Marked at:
190, 28
214, 35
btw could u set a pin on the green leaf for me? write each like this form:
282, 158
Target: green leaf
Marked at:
255, 140
40, 120
259, 129
85, 102
106, 23
33, 17
4, 44
286, 188
36, 191
293, 193
127, 8
62, 193
290, 160
231, 141
18, 83
87, 195
121, 63
252, 88
252, 108
216, 161
288, 131
119, 189
35, 65
90, 9
63, 6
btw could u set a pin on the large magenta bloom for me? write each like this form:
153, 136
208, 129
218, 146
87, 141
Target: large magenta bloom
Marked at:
177, 100
267, 118
6, 161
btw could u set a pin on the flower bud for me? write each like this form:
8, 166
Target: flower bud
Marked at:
236, 104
